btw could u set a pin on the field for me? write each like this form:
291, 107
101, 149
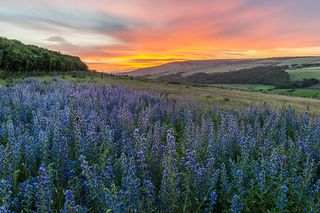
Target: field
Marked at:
227, 95
303, 92
110, 145
245, 87
205, 94
300, 74
313, 92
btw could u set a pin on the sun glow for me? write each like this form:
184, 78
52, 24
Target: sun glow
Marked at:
142, 60
130, 62
115, 36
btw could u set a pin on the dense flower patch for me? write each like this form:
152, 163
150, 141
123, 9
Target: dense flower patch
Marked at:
89, 148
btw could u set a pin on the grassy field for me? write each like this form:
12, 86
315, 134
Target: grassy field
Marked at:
227, 97
245, 87
210, 95
313, 92
300, 74
302, 92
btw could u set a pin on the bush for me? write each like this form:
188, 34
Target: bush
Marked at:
25, 59
2, 74
299, 84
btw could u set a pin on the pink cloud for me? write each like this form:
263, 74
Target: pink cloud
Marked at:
169, 28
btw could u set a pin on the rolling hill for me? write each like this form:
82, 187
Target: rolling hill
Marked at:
188, 68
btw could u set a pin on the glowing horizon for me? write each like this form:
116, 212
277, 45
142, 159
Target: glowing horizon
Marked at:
125, 35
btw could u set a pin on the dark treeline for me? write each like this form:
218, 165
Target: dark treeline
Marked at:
259, 75
16, 57
307, 82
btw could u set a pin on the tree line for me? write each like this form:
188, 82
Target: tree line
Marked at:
270, 75
16, 57
306, 82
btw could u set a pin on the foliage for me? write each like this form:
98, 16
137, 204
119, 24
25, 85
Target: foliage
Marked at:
17, 57
299, 84
90, 148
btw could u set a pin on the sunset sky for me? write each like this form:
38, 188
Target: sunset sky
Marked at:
122, 35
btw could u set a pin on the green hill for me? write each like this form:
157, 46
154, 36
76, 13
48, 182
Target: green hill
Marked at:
16, 57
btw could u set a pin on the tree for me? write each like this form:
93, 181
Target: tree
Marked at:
17, 57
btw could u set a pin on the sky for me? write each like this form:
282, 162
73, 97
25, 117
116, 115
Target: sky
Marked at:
123, 35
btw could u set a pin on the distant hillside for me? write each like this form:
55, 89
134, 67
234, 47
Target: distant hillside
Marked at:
188, 68
259, 75
17, 57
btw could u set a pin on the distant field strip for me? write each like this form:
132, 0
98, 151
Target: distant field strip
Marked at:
246, 87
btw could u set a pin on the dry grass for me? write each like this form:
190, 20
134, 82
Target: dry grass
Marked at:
212, 95
209, 95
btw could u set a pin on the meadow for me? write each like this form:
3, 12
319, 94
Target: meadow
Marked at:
301, 92
206, 94
226, 95
85, 146
310, 92
246, 87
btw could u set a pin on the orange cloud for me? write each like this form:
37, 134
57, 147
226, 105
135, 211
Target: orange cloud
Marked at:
124, 35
